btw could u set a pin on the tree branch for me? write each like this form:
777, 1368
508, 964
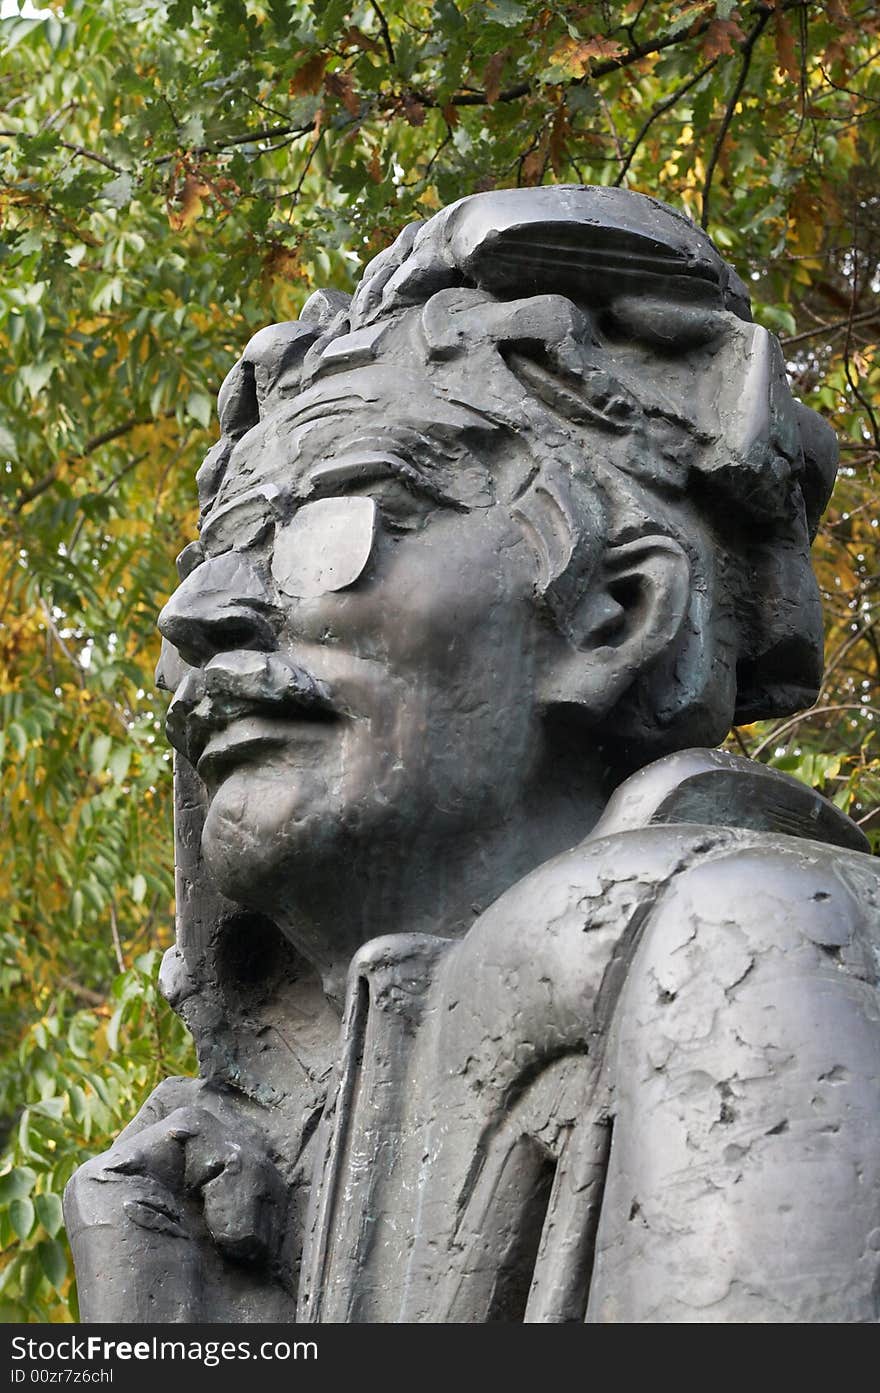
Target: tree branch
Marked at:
609, 65
658, 111
76, 149
386, 33
862, 318
216, 147
29, 494
92, 155
748, 47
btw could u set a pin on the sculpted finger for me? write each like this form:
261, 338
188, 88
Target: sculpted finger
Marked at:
245, 1206
156, 1152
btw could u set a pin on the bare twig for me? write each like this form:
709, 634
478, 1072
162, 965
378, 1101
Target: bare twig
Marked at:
747, 50
53, 630
294, 198
820, 329
853, 300
386, 33
615, 135
91, 998
739, 740
794, 721
658, 111
111, 484
181, 449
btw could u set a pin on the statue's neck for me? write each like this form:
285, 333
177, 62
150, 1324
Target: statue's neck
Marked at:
422, 885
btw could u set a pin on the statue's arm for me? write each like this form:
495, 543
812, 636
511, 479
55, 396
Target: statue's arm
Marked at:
744, 1068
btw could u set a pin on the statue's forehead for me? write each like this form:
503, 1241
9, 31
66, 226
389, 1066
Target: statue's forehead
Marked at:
372, 410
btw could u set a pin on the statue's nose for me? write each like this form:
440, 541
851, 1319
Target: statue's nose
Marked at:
221, 606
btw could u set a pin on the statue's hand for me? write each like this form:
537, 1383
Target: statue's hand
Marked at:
185, 1218
193, 1155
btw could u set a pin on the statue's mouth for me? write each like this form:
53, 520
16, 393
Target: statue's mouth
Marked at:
239, 742
240, 702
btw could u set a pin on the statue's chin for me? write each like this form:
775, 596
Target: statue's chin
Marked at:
246, 837
262, 832
235, 873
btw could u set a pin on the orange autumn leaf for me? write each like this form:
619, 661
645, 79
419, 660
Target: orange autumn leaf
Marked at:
578, 55
307, 79
282, 262
341, 85
187, 206
492, 76
722, 37
353, 37
413, 110
785, 49
597, 47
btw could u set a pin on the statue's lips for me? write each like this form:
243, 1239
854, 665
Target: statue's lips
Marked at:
243, 738
240, 702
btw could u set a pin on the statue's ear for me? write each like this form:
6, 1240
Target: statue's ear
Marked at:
627, 618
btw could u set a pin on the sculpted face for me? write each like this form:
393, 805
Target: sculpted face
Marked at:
364, 649
529, 469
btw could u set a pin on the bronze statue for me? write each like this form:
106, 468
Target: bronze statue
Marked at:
514, 1000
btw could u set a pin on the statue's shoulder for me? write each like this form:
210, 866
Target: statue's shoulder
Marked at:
716, 789
728, 827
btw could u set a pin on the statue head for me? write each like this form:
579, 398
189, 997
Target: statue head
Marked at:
529, 510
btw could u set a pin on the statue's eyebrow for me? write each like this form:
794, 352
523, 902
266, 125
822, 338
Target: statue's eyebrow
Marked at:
363, 466
253, 511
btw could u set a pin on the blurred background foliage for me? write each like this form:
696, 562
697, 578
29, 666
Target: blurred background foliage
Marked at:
173, 176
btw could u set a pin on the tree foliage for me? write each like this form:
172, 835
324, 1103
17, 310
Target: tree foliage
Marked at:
174, 175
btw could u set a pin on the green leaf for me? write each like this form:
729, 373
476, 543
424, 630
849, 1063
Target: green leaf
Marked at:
17, 1183
8, 447
49, 1213
35, 376
200, 407
192, 132
119, 191
119, 764
99, 753
22, 1216
53, 1261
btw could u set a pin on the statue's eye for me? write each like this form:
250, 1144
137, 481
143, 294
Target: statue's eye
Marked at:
325, 547
403, 494
402, 509
192, 555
